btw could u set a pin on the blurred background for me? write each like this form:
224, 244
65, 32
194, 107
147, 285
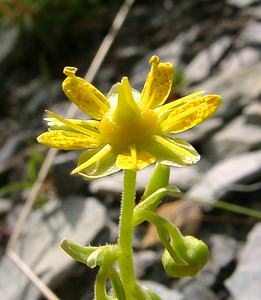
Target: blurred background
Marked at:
215, 46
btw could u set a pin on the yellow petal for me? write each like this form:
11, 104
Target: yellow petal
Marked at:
74, 125
93, 160
89, 99
102, 167
66, 140
191, 113
173, 151
164, 111
158, 83
134, 160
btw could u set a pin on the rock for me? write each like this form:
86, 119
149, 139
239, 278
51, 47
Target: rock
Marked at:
253, 12
62, 109
110, 184
5, 205
127, 52
8, 37
223, 251
171, 51
253, 113
196, 291
251, 34
144, 260
240, 60
244, 168
237, 137
75, 218
242, 3
41, 97
64, 182
244, 284
200, 67
184, 178
201, 132
235, 95
13, 144
163, 292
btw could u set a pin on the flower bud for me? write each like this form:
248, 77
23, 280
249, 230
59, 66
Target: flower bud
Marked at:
195, 257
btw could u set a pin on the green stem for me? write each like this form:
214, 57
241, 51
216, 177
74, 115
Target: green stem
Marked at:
126, 234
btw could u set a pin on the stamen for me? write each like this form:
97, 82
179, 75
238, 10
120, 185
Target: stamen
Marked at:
154, 60
69, 71
74, 126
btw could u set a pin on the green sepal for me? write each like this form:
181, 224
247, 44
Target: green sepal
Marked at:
195, 256
77, 252
92, 256
159, 179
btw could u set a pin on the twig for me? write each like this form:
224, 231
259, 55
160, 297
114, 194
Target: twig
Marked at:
32, 276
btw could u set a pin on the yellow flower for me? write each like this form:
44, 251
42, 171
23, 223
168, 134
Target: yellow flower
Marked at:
130, 130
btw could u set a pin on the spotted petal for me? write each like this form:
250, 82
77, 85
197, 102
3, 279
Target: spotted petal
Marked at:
134, 160
158, 83
81, 92
66, 140
191, 113
102, 167
173, 151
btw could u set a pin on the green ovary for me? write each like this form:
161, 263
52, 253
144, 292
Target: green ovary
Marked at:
122, 135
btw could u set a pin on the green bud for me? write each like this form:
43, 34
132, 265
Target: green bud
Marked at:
195, 256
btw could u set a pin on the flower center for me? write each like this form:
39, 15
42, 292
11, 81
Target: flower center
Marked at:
122, 135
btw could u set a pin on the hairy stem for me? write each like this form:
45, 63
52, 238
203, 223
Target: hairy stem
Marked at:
126, 234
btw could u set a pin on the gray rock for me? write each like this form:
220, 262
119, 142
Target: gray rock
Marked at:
126, 52
143, 260
240, 60
184, 178
62, 109
251, 34
196, 291
171, 51
200, 67
242, 3
238, 89
223, 250
13, 144
5, 205
75, 218
244, 284
244, 168
237, 137
8, 39
163, 292
64, 182
253, 12
253, 113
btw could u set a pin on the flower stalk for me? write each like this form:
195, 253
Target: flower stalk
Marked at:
126, 234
